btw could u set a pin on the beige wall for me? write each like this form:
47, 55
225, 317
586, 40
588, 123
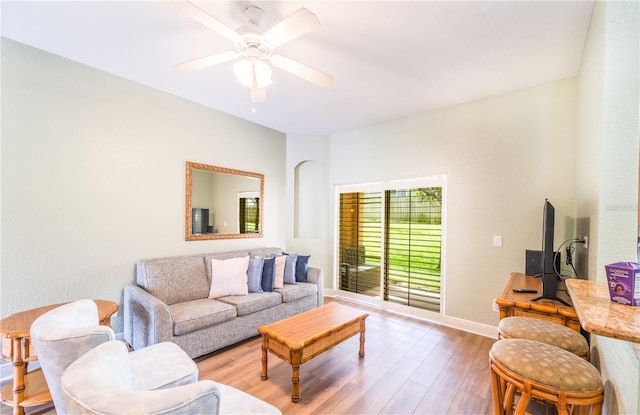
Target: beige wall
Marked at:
93, 177
607, 183
502, 157
310, 152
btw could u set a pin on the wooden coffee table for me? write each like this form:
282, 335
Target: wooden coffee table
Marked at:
300, 338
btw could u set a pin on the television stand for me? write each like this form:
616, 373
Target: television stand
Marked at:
521, 304
551, 298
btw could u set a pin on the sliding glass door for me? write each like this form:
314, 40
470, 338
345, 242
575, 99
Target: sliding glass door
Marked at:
390, 241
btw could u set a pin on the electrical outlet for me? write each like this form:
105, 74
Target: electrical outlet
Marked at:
494, 306
586, 242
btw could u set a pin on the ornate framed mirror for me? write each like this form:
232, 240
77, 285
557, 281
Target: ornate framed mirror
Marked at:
222, 203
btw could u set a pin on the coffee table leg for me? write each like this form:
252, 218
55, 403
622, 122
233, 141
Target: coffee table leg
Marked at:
296, 359
362, 330
265, 349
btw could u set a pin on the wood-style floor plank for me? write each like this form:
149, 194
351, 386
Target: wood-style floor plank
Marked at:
410, 367
384, 390
406, 400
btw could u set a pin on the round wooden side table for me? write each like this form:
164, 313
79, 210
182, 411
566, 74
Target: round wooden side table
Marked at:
30, 389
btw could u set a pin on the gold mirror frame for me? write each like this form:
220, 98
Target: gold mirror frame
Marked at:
189, 236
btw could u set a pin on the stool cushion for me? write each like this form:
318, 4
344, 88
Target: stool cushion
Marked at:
546, 365
544, 331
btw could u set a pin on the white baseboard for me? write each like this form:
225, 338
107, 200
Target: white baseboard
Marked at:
329, 292
471, 327
453, 322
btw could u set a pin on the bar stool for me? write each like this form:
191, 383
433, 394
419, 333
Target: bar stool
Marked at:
544, 331
539, 371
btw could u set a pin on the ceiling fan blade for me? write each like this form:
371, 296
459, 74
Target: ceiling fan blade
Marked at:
206, 61
303, 71
258, 95
206, 19
297, 24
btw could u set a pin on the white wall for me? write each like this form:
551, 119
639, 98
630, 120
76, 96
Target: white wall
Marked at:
502, 156
314, 150
607, 183
93, 177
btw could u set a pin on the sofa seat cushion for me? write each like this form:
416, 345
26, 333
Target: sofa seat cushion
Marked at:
193, 315
293, 292
253, 302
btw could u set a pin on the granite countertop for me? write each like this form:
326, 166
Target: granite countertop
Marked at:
599, 315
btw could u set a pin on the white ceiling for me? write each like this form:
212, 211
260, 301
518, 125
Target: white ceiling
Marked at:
390, 59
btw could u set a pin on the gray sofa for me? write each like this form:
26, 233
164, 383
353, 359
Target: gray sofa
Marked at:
170, 303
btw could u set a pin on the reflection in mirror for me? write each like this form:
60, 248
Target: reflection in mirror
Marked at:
222, 203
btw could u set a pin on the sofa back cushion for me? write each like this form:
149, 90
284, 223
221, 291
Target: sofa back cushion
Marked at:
221, 256
174, 279
265, 252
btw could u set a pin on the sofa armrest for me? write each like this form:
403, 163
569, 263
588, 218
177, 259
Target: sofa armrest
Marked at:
147, 320
314, 275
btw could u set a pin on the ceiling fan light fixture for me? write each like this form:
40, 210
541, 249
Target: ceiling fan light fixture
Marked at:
255, 47
252, 73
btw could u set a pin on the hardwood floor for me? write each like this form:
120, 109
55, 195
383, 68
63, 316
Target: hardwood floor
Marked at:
410, 367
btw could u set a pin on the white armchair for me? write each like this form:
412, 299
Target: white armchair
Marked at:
88, 372
103, 381
63, 334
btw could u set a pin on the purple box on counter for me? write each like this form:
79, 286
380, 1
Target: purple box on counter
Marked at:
624, 282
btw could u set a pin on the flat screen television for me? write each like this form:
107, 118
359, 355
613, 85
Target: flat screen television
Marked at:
549, 275
199, 221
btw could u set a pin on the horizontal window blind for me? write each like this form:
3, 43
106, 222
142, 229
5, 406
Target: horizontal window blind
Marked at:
392, 238
360, 230
249, 214
413, 231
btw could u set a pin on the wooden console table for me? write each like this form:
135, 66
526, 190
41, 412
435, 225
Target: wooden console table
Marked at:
30, 389
520, 304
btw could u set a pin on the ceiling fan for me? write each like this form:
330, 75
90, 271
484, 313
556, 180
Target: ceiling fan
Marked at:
256, 48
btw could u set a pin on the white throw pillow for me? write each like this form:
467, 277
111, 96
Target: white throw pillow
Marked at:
278, 280
229, 277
